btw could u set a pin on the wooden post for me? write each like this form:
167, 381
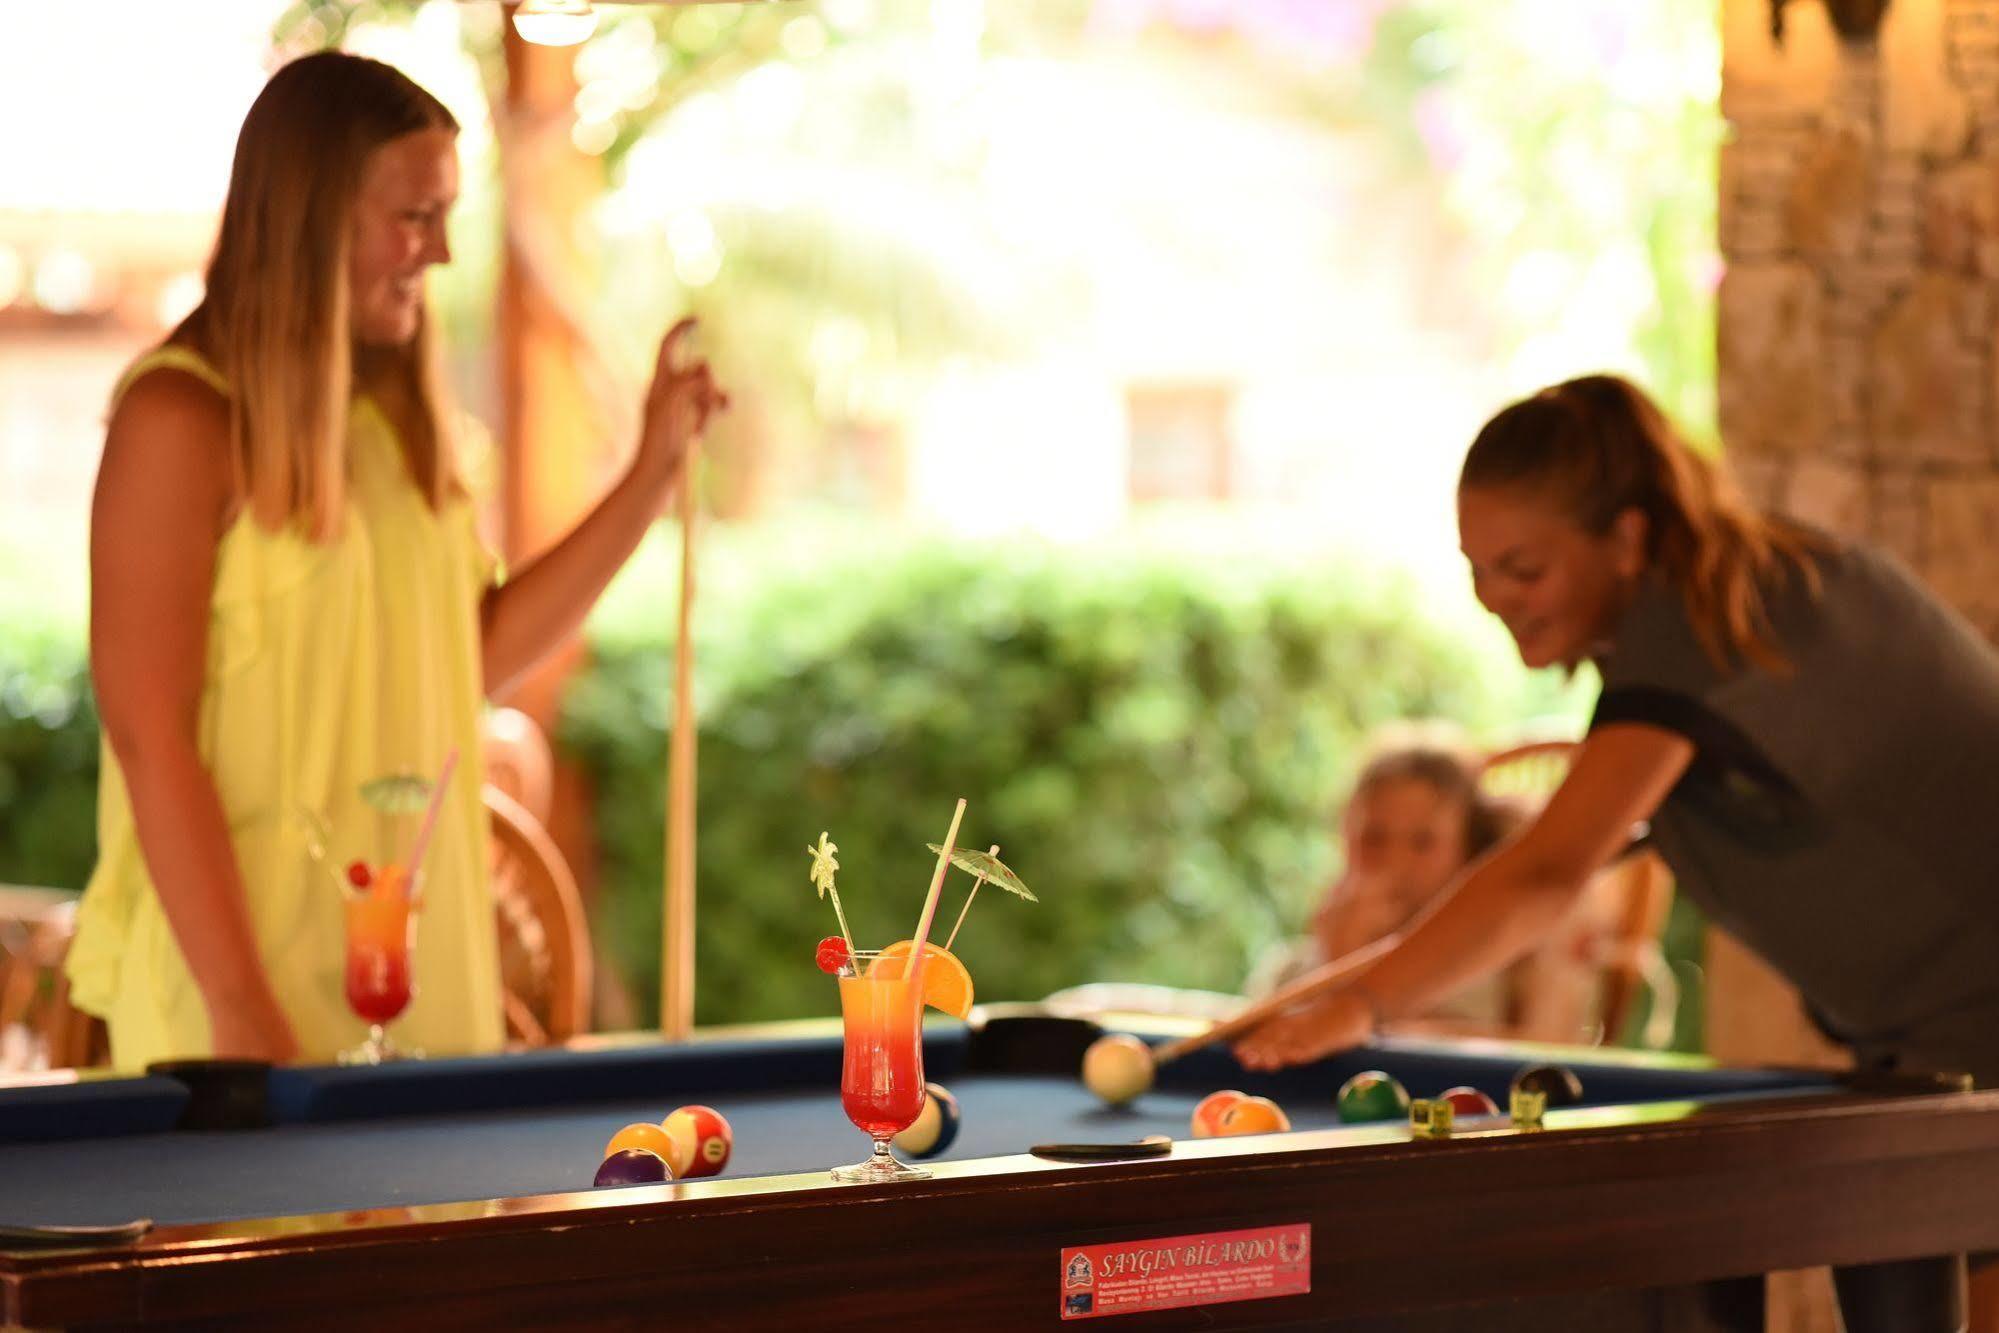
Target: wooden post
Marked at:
552, 439
555, 445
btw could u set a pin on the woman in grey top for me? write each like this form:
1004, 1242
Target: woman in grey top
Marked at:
1812, 737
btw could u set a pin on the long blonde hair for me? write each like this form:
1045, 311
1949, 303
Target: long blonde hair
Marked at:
1599, 447
275, 319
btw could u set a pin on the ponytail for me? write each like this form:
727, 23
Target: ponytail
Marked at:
1600, 447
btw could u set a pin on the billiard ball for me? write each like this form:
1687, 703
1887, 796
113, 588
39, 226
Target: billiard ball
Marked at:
645, 1137
1557, 1083
936, 1125
1208, 1114
1468, 1101
632, 1166
1253, 1115
702, 1141
1372, 1095
1117, 1068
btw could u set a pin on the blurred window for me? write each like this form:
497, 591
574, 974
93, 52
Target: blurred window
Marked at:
1180, 442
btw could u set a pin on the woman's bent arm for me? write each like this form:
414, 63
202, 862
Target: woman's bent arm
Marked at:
1503, 905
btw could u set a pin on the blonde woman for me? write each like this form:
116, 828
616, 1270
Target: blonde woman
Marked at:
288, 596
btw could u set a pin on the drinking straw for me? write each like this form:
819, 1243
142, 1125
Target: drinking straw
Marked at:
422, 844
930, 902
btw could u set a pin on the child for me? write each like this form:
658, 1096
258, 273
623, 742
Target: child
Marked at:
1415, 819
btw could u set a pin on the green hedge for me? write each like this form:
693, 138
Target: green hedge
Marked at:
1155, 744
48, 756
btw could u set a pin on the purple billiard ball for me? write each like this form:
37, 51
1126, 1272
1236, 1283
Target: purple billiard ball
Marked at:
632, 1166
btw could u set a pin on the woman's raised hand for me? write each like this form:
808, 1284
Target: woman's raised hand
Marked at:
681, 399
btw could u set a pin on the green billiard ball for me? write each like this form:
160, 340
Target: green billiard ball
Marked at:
1557, 1083
1372, 1095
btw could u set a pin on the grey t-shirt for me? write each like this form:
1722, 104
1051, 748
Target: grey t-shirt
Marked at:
1841, 820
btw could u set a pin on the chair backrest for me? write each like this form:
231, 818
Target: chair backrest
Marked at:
1529, 772
518, 760
546, 969
39, 1027
1627, 905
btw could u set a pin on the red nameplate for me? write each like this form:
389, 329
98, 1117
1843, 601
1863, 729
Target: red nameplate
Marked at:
1168, 1272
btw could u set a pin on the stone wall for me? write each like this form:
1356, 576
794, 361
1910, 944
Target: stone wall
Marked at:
1859, 373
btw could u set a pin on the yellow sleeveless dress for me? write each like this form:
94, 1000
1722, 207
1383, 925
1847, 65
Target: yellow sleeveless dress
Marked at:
328, 665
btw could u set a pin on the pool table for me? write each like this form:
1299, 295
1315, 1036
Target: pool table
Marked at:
449, 1193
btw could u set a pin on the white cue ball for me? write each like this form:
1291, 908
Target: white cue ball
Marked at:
1117, 1069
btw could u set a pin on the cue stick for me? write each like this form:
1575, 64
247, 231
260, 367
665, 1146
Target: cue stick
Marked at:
676, 977
1329, 976
1325, 977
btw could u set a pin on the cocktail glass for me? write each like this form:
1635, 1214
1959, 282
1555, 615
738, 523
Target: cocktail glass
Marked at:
381, 928
881, 1070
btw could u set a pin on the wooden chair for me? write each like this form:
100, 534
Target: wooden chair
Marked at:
39, 1027
1528, 772
518, 760
545, 959
1622, 917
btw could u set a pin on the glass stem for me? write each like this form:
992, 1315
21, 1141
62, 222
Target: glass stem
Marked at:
882, 1156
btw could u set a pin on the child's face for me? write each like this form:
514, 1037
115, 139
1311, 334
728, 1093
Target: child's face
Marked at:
1556, 587
1406, 838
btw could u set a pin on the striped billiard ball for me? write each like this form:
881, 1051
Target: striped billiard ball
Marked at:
702, 1141
936, 1125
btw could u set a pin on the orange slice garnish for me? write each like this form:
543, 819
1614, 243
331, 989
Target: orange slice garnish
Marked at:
947, 985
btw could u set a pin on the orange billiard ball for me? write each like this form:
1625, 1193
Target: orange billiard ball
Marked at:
643, 1137
1208, 1115
1254, 1115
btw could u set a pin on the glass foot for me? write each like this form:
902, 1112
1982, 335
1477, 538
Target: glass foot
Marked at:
376, 1050
881, 1166
869, 1172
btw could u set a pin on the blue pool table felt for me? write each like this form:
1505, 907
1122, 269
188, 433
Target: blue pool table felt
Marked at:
502, 1127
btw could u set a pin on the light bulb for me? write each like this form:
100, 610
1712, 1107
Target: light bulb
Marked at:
555, 22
